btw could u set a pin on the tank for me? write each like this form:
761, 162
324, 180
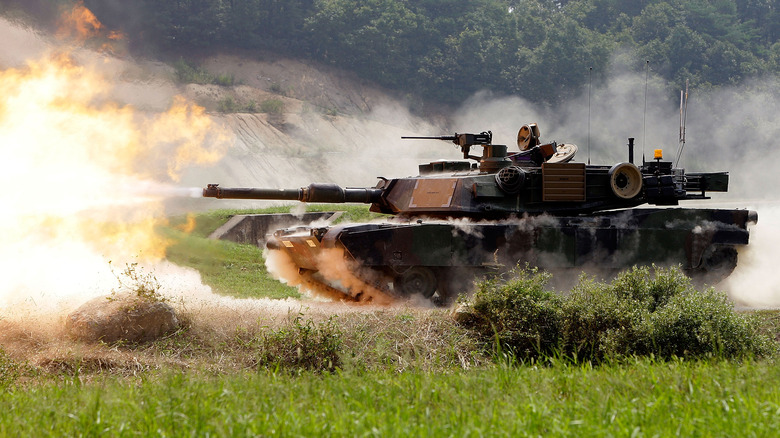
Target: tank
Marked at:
494, 211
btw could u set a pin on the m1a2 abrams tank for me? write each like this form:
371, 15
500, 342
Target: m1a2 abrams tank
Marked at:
458, 219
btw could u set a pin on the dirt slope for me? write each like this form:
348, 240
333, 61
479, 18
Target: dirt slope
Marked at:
333, 126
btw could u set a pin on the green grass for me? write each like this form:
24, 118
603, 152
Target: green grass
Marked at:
235, 269
638, 399
229, 268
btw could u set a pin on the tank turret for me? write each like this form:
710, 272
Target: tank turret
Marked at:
540, 178
534, 205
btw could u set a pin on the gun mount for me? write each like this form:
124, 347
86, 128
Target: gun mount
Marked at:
534, 205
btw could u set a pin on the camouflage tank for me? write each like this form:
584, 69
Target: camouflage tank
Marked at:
458, 219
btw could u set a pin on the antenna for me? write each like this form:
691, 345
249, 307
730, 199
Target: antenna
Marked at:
683, 116
644, 115
590, 82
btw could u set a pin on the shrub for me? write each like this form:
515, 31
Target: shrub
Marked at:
227, 105
276, 89
518, 315
189, 74
225, 80
702, 324
595, 321
644, 311
272, 106
301, 345
601, 319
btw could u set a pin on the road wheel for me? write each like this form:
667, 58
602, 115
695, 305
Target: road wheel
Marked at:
416, 280
717, 263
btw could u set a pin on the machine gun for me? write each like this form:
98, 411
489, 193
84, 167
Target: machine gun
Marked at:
494, 156
483, 138
465, 141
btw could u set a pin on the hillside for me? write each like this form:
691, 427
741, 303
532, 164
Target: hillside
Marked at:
323, 125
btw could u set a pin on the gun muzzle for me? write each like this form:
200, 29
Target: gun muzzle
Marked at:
214, 191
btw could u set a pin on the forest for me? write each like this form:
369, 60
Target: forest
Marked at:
445, 50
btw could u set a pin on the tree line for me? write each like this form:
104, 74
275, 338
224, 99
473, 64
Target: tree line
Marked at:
446, 50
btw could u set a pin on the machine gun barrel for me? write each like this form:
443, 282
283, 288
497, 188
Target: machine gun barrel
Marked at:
434, 137
463, 140
327, 193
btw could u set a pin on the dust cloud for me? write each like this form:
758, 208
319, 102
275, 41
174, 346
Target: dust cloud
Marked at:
340, 277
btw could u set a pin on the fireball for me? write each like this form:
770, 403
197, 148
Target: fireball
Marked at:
84, 176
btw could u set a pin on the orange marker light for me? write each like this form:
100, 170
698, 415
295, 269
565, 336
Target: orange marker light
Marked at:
658, 154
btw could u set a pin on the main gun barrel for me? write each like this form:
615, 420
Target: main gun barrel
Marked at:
327, 193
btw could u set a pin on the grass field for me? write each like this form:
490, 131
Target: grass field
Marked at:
637, 399
328, 370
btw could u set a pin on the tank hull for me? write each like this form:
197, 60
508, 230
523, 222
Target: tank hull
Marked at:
442, 258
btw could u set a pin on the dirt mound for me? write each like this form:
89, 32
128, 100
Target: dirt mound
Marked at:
121, 318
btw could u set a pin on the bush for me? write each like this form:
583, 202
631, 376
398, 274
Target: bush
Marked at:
644, 311
272, 106
276, 88
595, 321
519, 316
702, 324
227, 105
301, 345
230, 105
601, 319
225, 80
189, 74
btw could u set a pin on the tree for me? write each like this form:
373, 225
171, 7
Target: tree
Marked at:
374, 38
